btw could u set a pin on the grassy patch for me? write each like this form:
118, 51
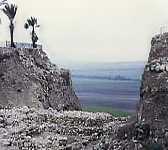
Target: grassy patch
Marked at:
112, 111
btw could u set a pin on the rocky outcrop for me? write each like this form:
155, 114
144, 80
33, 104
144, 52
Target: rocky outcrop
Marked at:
153, 107
148, 129
28, 78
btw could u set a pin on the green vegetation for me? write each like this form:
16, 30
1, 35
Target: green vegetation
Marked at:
32, 21
10, 12
113, 111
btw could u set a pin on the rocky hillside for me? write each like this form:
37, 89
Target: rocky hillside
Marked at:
28, 78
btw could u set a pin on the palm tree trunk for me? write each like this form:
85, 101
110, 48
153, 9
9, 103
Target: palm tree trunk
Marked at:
11, 33
33, 38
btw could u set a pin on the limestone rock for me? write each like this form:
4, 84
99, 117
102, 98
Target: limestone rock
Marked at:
153, 107
27, 77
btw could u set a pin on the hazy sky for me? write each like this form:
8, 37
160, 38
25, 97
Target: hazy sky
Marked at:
91, 30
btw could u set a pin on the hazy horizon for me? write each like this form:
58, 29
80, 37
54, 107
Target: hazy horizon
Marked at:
96, 64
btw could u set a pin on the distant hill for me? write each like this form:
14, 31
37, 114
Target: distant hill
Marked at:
118, 77
106, 70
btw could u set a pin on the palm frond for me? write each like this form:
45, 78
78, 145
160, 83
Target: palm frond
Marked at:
32, 21
3, 2
10, 11
26, 26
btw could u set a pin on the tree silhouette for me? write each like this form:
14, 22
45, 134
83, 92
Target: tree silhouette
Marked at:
32, 21
10, 12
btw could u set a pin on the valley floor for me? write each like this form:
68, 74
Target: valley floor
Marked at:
123, 95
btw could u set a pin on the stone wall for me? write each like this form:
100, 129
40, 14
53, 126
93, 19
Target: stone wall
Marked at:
19, 45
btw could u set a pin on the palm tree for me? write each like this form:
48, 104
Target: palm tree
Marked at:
32, 21
10, 11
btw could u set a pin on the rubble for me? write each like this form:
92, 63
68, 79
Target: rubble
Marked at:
30, 128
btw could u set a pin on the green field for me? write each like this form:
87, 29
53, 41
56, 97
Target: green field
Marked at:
113, 111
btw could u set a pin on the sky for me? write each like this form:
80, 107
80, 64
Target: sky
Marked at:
90, 30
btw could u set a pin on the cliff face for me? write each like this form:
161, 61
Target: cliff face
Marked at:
153, 107
154, 86
27, 77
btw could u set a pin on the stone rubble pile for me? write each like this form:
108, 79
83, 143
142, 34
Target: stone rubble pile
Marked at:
29, 128
158, 65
